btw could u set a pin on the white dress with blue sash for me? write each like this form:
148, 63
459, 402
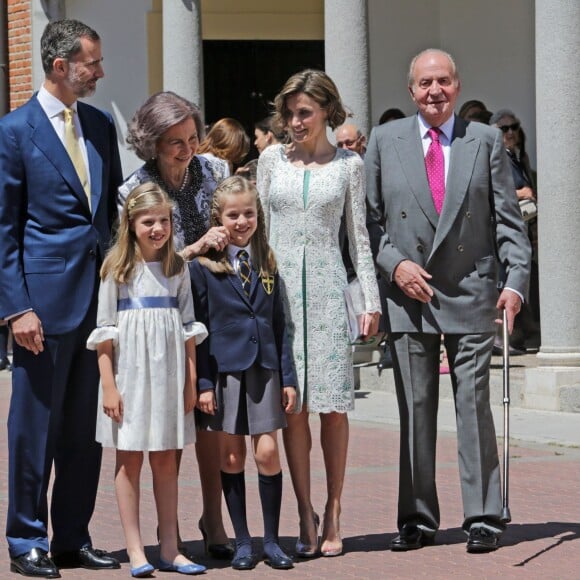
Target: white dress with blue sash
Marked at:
149, 320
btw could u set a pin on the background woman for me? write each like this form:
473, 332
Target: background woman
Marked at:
165, 133
306, 186
264, 134
226, 144
527, 323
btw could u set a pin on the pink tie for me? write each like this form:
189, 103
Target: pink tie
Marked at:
435, 164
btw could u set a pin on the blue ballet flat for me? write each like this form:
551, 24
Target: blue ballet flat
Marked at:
142, 571
189, 569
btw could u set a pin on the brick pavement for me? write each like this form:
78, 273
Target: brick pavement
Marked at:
542, 542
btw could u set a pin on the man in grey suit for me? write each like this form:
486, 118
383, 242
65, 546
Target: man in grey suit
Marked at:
444, 221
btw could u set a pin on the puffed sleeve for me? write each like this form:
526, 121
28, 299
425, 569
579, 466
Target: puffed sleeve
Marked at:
106, 315
191, 328
358, 237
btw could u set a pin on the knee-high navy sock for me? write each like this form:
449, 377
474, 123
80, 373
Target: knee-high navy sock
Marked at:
234, 486
271, 497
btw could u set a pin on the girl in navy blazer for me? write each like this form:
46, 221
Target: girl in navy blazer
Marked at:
246, 374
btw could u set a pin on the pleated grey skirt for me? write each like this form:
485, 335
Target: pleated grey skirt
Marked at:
248, 403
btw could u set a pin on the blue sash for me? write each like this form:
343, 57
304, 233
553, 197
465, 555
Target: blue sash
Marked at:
147, 302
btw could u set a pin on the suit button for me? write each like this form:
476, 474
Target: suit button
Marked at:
253, 339
403, 214
468, 214
420, 248
252, 315
92, 253
460, 248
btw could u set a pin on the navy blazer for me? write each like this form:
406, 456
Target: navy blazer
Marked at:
52, 243
242, 330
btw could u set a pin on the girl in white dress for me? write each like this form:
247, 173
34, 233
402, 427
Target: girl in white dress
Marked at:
145, 341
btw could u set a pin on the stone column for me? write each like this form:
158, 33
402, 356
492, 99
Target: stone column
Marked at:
347, 55
556, 382
183, 49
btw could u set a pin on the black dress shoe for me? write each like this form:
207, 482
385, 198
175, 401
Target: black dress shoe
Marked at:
481, 540
386, 360
87, 557
4, 363
517, 350
216, 551
276, 558
35, 564
244, 561
411, 538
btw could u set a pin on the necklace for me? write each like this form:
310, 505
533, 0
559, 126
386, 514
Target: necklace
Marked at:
191, 220
185, 180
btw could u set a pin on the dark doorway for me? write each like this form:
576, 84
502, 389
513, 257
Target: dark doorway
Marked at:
242, 77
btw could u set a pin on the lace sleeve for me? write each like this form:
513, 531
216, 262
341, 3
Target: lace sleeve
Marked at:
263, 180
358, 237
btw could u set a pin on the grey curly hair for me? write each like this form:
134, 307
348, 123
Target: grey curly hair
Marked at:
159, 113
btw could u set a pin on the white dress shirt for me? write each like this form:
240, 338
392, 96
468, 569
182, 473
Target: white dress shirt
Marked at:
54, 110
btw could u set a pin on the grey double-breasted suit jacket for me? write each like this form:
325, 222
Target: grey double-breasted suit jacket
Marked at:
478, 240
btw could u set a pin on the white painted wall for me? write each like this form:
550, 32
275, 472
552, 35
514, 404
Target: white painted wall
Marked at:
122, 28
492, 43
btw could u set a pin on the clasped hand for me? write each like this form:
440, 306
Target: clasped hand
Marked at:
412, 280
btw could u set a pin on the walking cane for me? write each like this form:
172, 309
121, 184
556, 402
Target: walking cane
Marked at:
505, 511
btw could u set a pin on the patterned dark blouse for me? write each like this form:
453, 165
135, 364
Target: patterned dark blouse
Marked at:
192, 201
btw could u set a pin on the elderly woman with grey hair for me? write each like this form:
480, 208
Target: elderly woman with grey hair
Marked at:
165, 132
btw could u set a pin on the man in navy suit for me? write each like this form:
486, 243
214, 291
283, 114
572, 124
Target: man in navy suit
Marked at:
54, 232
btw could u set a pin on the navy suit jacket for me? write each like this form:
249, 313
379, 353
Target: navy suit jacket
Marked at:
52, 243
242, 330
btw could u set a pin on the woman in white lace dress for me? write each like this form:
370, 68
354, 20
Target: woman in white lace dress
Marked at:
306, 187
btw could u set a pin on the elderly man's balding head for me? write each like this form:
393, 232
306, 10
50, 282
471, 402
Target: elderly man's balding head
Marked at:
348, 136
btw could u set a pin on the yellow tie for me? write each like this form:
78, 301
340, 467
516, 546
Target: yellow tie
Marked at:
73, 148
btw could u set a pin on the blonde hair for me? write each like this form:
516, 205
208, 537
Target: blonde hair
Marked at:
125, 252
318, 86
262, 255
227, 139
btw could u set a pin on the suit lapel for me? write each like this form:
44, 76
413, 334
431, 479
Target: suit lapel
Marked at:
410, 152
464, 149
237, 284
92, 137
46, 140
238, 287
255, 281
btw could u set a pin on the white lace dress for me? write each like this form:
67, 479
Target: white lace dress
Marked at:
149, 321
303, 210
